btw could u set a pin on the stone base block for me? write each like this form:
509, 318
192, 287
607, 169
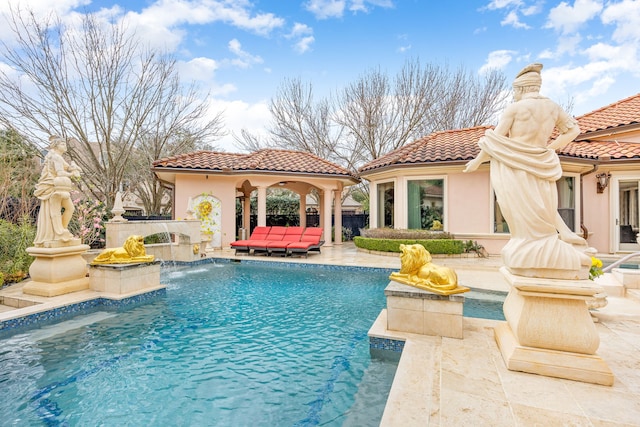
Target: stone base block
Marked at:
44, 289
414, 310
589, 368
57, 270
124, 278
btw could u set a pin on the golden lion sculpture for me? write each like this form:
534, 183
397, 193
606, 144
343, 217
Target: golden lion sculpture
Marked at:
131, 252
417, 270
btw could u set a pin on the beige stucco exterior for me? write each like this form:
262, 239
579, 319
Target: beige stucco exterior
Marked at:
468, 198
226, 187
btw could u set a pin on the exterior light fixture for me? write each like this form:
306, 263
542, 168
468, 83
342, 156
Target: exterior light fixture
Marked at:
602, 181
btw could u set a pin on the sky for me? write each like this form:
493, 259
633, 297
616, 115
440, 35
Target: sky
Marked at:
240, 51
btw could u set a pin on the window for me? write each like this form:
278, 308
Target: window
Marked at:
566, 206
566, 201
499, 223
385, 204
425, 204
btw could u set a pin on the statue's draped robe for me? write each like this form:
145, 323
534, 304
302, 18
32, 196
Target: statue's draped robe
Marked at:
49, 225
524, 180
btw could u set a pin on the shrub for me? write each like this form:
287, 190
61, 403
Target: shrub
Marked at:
14, 259
392, 233
434, 246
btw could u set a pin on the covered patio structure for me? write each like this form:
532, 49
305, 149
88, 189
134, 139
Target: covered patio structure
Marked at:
207, 184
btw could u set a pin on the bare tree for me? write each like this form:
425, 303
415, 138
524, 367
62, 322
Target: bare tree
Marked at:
377, 114
380, 116
99, 85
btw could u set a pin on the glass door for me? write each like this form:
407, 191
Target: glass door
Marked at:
628, 215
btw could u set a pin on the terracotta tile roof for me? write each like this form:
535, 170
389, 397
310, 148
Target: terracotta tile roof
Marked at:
595, 150
267, 160
620, 113
611, 117
461, 145
445, 146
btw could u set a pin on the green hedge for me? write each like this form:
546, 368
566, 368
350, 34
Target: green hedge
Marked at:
434, 246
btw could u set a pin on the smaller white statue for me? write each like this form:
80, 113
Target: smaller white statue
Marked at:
54, 191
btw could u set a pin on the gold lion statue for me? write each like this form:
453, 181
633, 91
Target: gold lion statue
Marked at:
131, 252
417, 270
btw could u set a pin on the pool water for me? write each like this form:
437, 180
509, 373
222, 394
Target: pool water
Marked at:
230, 344
484, 304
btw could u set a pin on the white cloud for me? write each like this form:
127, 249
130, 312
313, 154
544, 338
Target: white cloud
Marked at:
568, 19
361, 5
568, 45
304, 44
240, 115
502, 4
512, 20
300, 30
304, 35
626, 16
243, 59
497, 59
323, 9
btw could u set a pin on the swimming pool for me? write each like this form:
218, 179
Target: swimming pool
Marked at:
251, 343
230, 344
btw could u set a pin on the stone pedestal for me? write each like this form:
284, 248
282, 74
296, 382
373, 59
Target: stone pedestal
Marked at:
124, 278
57, 270
418, 311
549, 330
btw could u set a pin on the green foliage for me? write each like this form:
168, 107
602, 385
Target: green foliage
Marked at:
157, 238
394, 233
279, 202
14, 259
473, 246
19, 164
19, 172
434, 246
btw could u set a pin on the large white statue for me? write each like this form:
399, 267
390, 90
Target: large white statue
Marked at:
54, 191
524, 171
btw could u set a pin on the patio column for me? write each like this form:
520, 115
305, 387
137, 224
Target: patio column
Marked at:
246, 213
262, 206
337, 213
326, 216
303, 210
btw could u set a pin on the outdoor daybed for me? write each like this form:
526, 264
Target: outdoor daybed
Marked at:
281, 240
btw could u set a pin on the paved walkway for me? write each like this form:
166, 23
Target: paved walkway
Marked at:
452, 382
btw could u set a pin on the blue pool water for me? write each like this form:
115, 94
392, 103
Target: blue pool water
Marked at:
229, 345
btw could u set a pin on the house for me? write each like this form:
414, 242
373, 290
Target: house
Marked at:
597, 194
208, 184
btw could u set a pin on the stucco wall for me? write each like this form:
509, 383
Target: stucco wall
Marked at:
223, 188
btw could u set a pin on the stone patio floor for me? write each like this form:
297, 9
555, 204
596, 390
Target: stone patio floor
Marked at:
452, 382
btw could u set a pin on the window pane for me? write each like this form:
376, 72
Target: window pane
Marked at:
385, 204
499, 224
566, 206
566, 201
425, 204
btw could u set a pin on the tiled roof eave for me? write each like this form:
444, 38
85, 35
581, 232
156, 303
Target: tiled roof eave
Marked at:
611, 130
406, 165
177, 169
